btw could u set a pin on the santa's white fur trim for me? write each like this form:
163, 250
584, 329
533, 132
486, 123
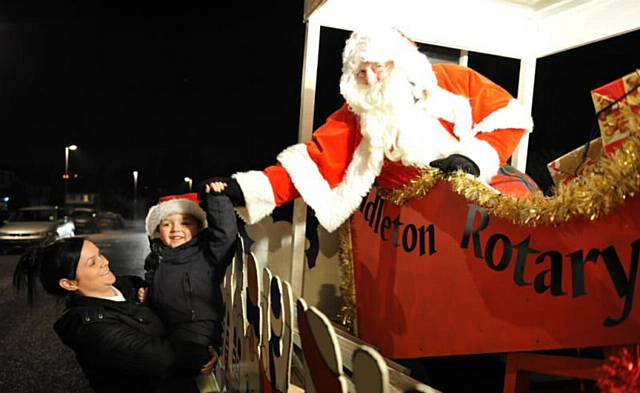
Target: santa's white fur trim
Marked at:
173, 206
258, 196
376, 43
511, 116
454, 108
332, 206
483, 154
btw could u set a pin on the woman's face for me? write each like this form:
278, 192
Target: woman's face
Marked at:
93, 276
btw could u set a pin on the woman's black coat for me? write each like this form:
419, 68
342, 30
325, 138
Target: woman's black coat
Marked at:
120, 346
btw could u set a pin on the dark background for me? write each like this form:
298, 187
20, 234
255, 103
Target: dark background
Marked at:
198, 89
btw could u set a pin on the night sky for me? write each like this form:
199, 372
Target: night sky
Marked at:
173, 91
192, 89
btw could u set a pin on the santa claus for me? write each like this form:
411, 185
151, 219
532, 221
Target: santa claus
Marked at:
401, 115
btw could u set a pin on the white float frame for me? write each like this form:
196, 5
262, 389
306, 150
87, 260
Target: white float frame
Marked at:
521, 29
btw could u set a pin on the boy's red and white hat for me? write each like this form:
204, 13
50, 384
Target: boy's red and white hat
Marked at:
173, 204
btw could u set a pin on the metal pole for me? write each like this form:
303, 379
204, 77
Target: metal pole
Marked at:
66, 170
135, 194
66, 173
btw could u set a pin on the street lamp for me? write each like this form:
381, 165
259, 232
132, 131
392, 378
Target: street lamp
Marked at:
66, 169
135, 193
190, 181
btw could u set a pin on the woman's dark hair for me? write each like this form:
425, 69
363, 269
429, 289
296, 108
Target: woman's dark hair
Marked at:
51, 262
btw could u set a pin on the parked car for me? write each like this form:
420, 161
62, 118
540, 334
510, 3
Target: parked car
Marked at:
32, 225
85, 220
109, 220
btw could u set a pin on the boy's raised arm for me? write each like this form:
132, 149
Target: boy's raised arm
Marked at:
221, 219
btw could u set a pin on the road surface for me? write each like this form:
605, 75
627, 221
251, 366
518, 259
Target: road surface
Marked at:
32, 358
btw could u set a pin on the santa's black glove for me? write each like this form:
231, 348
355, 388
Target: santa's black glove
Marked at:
232, 190
455, 162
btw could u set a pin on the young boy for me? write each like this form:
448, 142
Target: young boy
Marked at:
190, 251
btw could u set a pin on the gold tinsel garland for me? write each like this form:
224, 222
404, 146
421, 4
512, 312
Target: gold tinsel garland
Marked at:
591, 196
594, 195
347, 315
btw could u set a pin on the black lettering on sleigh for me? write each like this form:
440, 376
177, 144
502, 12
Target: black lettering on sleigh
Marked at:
551, 278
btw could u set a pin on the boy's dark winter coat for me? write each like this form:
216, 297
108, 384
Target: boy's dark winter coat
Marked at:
185, 281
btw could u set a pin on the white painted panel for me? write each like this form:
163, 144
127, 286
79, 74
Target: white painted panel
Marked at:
586, 23
510, 28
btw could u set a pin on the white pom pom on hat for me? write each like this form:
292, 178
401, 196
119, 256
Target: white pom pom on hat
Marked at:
173, 204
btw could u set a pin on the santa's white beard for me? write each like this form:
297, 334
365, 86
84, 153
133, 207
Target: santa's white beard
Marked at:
391, 121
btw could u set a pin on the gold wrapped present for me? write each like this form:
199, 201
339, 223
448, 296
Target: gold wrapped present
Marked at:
575, 163
618, 105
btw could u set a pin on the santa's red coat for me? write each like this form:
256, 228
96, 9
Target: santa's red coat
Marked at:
333, 170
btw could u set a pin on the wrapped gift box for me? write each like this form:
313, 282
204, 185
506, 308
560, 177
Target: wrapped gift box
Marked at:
623, 116
565, 168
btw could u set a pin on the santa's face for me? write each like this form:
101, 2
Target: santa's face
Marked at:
390, 117
376, 87
372, 73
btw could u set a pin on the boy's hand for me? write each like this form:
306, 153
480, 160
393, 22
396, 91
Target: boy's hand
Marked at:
227, 186
216, 187
209, 366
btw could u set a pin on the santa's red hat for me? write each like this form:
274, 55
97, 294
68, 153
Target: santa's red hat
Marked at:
173, 204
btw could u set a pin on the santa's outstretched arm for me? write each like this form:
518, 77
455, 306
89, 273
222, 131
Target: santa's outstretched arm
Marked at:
312, 169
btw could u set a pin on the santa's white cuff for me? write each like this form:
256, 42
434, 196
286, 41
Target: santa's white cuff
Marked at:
483, 154
332, 206
258, 196
311, 185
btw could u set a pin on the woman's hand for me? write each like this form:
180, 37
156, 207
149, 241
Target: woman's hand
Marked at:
142, 294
